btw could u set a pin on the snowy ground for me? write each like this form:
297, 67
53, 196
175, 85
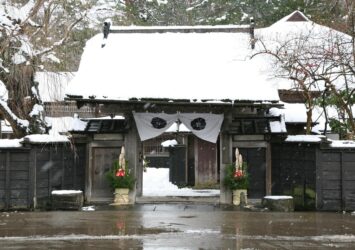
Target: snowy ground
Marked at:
156, 183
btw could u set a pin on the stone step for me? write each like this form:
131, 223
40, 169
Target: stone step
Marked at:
178, 199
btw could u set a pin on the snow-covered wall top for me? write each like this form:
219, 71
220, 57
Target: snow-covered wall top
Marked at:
319, 139
193, 66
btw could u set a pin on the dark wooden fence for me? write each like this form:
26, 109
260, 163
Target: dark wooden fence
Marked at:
336, 175
318, 176
29, 174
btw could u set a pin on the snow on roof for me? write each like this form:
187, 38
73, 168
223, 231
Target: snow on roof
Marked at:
194, 66
45, 138
292, 33
64, 124
320, 138
342, 144
10, 143
284, 30
116, 117
52, 85
296, 113
305, 138
278, 197
64, 192
278, 126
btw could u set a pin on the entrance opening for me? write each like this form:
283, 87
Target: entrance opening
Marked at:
256, 167
180, 165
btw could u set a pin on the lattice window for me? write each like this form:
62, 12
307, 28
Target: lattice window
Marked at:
153, 146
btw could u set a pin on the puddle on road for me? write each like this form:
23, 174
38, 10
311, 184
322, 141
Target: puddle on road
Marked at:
188, 216
143, 231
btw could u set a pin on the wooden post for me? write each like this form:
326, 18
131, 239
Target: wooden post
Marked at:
88, 166
268, 173
225, 159
75, 166
135, 159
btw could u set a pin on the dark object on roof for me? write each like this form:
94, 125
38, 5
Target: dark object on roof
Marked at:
294, 96
106, 29
106, 126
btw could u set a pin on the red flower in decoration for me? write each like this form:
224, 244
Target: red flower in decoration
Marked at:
120, 172
238, 174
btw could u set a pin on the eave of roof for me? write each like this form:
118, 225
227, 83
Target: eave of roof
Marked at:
170, 102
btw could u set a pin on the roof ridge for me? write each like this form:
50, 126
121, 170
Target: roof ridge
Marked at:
295, 16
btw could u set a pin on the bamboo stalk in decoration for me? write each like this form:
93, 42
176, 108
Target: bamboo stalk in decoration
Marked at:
121, 159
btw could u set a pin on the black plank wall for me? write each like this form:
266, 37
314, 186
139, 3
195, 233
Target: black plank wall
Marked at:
29, 174
317, 175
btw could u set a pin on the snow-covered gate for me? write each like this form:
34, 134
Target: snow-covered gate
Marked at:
320, 177
29, 174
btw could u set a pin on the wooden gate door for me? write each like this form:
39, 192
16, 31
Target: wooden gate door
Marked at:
206, 168
256, 160
102, 162
177, 173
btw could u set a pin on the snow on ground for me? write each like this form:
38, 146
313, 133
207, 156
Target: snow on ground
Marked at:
88, 208
169, 143
156, 183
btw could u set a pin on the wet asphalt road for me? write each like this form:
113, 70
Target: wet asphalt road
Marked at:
175, 227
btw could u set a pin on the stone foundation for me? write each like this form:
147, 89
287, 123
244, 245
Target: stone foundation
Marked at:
67, 199
278, 203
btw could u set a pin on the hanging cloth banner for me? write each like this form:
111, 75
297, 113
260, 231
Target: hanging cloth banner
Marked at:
151, 125
204, 125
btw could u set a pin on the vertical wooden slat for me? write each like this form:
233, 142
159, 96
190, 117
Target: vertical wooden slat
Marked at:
342, 178
268, 182
32, 194
319, 193
7, 181
75, 165
62, 166
50, 174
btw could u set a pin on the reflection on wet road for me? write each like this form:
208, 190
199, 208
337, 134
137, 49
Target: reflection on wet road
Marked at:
175, 227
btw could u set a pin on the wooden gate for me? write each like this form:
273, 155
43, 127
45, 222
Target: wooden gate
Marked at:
336, 176
206, 167
178, 173
103, 159
256, 160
